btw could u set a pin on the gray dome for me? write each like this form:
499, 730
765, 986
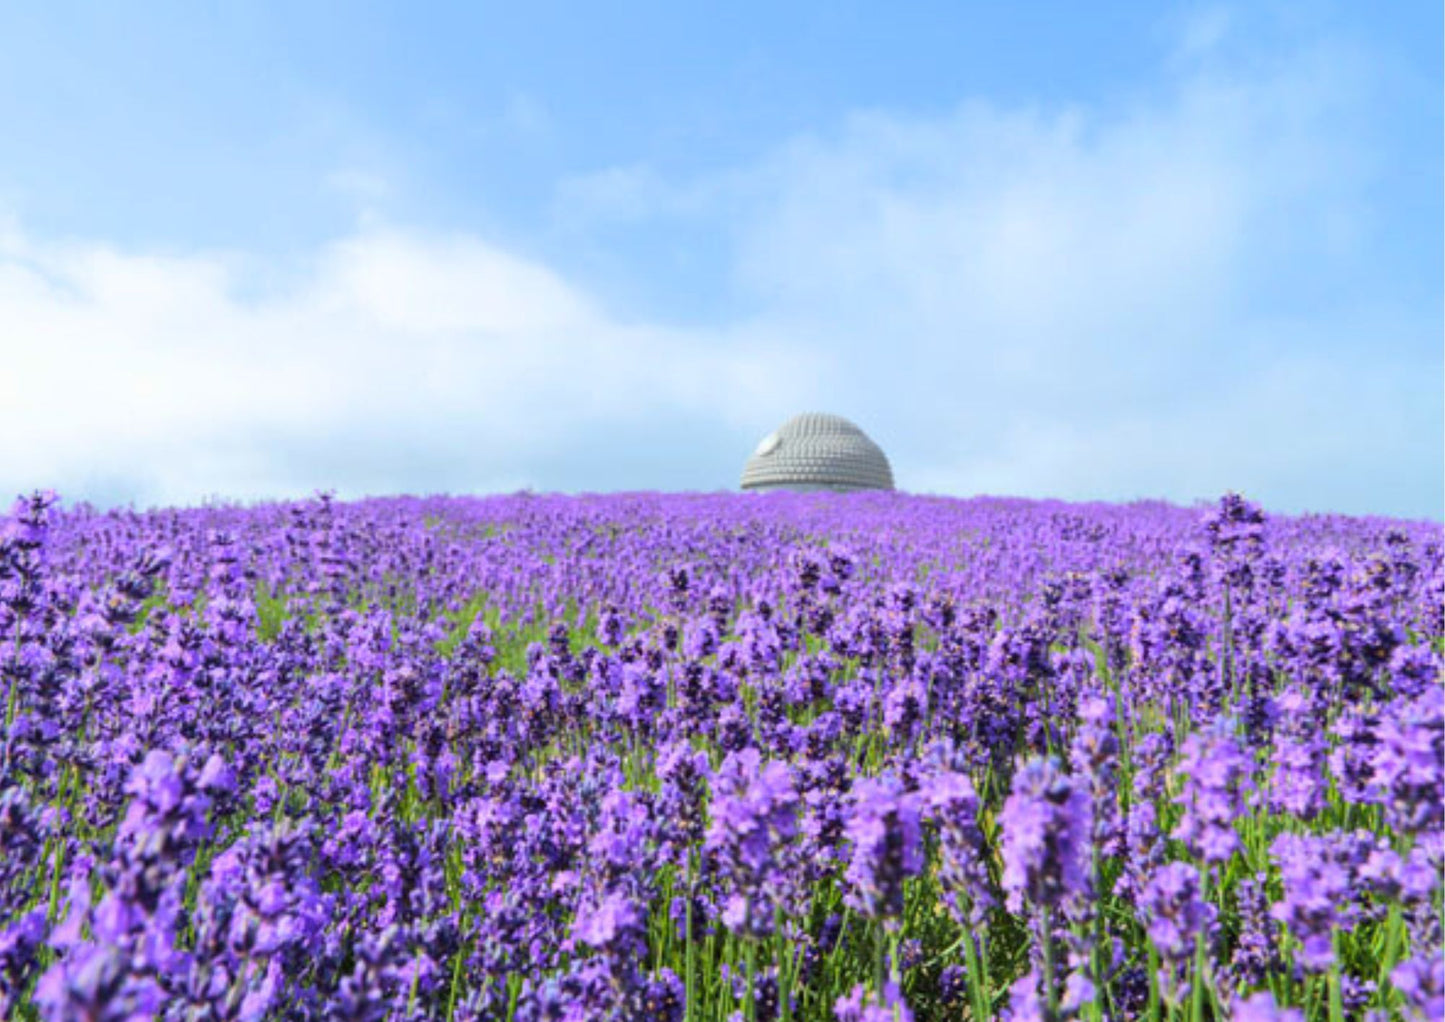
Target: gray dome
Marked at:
814, 451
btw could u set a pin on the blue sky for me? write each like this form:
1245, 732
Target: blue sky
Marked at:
1099, 251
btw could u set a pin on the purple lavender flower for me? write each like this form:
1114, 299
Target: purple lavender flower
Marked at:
904, 707
167, 810
887, 846
262, 906
663, 997
614, 924
952, 986
1298, 784
1094, 755
96, 983
1216, 774
20, 940
1026, 1001
1174, 912
1142, 840
861, 1005
952, 805
1045, 823
440, 790
1318, 896
1261, 1007
682, 771
754, 818
1257, 952
1352, 760
1235, 529
1410, 763
1422, 981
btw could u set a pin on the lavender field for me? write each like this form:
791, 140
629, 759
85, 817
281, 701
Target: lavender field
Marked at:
873, 757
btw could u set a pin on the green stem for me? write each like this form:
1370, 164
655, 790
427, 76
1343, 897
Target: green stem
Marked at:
1153, 982
1337, 1007
1051, 995
1201, 959
456, 983
12, 698
687, 1011
974, 961
785, 972
878, 964
750, 1006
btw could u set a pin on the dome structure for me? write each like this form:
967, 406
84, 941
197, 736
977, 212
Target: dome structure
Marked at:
816, 452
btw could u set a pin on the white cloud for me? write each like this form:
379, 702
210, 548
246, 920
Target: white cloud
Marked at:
144, 376
1200, 31
1170, 297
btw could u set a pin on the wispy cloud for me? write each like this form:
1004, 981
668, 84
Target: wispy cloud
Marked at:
398, 362
363, 187
1174, 295
1169, 295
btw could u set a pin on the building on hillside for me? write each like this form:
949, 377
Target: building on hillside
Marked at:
815, 452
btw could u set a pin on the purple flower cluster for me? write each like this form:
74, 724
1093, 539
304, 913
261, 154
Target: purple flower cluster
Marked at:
887, 1005
1046, 823
1174, 910
1337, 880
754, 821
887, 846
1217, 776
873, 757
953, 806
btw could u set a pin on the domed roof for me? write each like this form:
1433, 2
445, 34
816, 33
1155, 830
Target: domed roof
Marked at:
814, 451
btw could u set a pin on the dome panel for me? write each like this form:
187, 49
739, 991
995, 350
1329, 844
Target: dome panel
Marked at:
817, 451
